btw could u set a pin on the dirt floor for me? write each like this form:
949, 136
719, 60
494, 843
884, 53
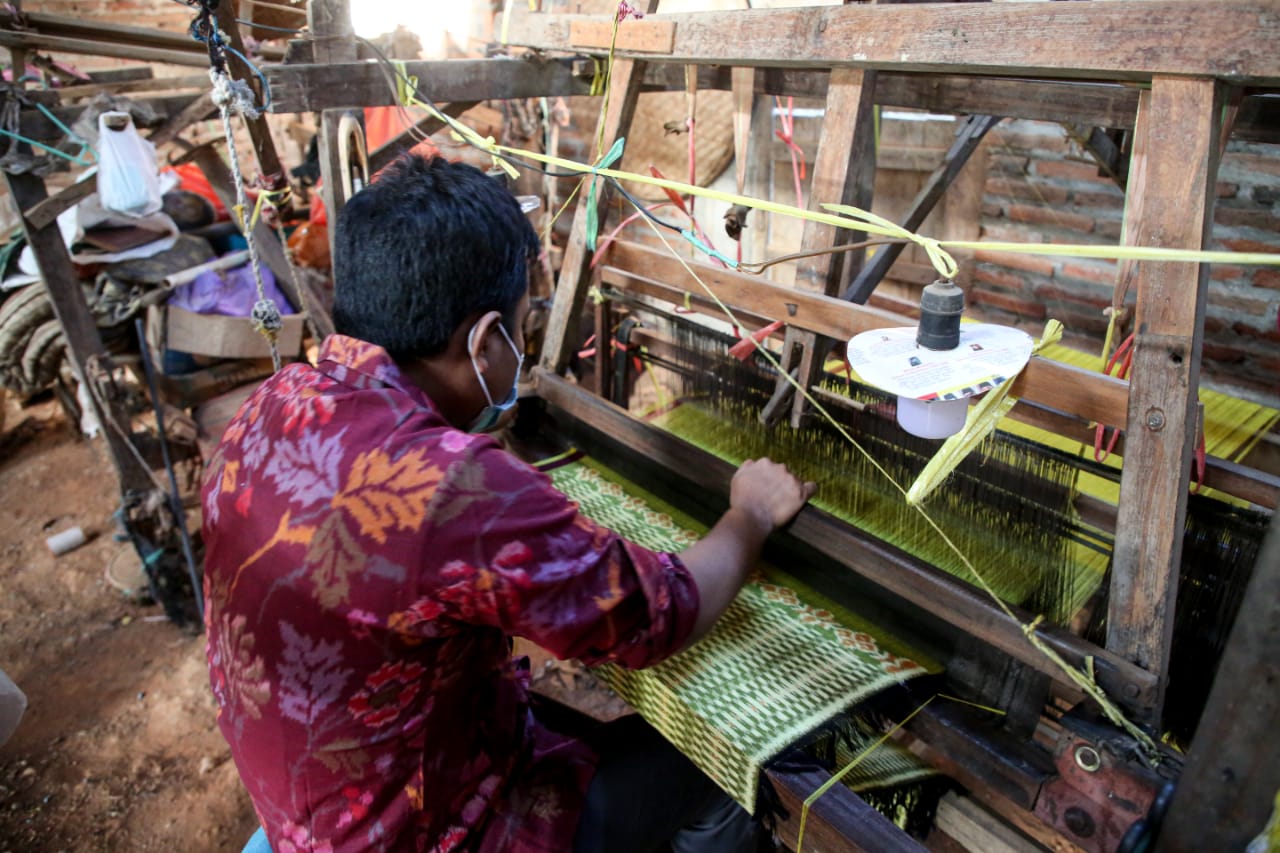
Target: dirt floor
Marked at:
118, 749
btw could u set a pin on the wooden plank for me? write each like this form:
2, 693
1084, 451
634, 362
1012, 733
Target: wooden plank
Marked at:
947, 598
1178, 190
977, 830
1121, 40
648, 36
1231, 776
1057, 386
844, 168
1098, 104
311, 88
838, 820
392, 149
571, 288
1095, 103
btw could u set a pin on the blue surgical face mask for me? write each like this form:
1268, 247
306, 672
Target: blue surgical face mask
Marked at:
490, 414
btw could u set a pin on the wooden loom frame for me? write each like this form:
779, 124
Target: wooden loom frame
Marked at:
1179, 132
918, 55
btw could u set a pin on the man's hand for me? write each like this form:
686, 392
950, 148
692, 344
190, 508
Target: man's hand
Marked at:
768, 492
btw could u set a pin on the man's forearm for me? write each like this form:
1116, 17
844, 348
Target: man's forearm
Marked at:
720, 562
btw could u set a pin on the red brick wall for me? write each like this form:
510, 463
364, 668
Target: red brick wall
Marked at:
1042, 188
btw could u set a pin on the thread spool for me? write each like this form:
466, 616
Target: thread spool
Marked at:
65, 541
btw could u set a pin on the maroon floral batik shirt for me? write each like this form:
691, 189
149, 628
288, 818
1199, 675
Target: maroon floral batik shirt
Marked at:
366, 566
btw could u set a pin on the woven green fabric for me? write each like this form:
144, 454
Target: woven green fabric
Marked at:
772, 670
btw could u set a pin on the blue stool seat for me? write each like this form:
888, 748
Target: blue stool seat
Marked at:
258, 843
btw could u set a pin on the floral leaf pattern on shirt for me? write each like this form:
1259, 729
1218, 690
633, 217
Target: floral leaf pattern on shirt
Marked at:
335, 554
384, 494
464, 490
310, 676
239, 673
306, 470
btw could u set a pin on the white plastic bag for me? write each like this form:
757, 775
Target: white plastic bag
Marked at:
128, 179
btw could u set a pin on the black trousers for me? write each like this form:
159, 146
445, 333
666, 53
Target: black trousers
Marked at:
646, 796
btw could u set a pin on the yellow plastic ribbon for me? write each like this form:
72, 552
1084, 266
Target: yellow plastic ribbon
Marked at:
980, 423
936, 249
406, 92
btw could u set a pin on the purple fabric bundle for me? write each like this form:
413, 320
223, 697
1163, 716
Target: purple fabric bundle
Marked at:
231, 293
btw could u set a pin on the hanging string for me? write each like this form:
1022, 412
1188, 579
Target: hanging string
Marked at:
787, 134
235, 96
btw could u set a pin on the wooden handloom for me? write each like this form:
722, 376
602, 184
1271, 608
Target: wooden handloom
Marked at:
1098, 65
1178, 125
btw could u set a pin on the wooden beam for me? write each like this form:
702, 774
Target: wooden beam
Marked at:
1177, 194
1121, 40
838, 820
310, 88
946, 597
1097, 104
1061, 387
1230, 780
153, 84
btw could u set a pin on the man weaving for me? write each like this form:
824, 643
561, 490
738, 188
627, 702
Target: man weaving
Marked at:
370, 554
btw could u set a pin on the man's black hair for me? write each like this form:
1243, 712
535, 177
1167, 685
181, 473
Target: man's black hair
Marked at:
422, 248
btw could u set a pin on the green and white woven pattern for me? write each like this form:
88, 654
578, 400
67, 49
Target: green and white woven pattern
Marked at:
773, 669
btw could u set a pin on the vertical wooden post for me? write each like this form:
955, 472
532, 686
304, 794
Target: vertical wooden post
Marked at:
574, 274
1177, 192
624, 88
844, 171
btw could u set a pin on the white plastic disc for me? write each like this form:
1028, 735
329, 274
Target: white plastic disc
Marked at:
891, 360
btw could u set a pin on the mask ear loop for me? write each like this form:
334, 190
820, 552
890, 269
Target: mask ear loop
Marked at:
471, 352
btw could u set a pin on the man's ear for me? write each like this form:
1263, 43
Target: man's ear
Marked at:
479, 336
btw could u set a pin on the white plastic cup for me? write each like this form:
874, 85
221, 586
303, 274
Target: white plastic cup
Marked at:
65, 541
932, 418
